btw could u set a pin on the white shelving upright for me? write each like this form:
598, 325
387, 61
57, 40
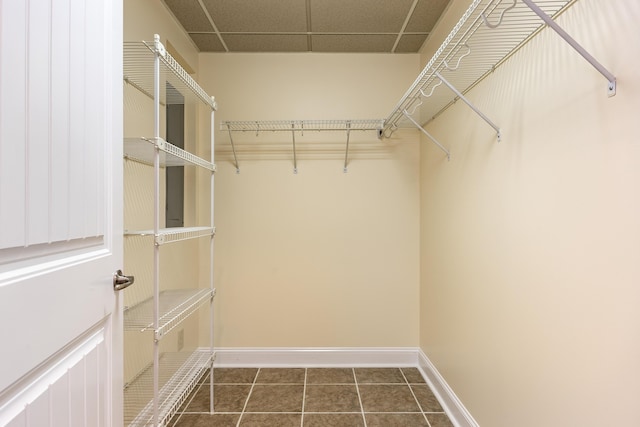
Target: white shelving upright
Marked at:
154, 394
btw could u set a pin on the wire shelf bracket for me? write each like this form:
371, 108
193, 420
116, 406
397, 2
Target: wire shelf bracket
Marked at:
346, 152
466, 101
611, 86
424, 131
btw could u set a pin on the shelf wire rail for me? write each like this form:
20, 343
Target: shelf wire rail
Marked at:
485, 36
301, 126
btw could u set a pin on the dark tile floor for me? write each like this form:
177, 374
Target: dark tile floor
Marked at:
314, 397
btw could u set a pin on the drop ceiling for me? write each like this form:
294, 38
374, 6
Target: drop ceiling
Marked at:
389, 26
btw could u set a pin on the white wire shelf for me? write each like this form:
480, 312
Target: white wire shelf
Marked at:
470, 52
301, 125
142, 150
174, 307
178, 376
175, 234
138, 64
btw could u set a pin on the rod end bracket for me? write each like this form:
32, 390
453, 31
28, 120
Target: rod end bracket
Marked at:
611, 88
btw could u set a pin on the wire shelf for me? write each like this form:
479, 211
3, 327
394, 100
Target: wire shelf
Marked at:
178, 376
142, 150
302, 125
176, 234
470, 52
174, 307
138, 63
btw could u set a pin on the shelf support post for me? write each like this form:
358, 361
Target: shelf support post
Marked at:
293, 135
611, 87
346, 153
466, 101
423, 130
233, 148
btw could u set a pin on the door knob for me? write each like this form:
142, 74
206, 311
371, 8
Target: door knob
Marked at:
120, 281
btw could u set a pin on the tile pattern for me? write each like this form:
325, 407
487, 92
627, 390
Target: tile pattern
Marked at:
314, 397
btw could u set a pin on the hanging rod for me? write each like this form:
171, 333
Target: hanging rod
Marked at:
475, 49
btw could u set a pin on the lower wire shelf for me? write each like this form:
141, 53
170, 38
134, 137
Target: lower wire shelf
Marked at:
178, 376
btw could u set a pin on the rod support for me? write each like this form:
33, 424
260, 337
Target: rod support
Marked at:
611, 86
424, 131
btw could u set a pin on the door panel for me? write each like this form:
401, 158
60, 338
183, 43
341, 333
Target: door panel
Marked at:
60, 212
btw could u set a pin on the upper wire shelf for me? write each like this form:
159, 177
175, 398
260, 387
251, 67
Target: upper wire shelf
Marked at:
138, 60
302, 125
487, 34
143, 150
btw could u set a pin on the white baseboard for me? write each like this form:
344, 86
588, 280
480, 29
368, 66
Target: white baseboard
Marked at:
334, 357
458, 414
316, 357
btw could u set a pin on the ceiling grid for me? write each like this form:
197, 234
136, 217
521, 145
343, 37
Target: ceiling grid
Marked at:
373, 26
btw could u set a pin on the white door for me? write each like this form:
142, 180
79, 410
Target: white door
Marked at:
60, 212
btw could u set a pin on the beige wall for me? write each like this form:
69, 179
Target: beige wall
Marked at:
530, 247
320, 258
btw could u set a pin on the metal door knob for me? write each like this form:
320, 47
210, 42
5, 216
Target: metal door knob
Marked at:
120, 281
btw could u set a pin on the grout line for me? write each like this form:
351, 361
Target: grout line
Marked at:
304, 396
244, 408
355, 380
415, 398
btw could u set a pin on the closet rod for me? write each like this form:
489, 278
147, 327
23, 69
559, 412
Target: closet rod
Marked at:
611, 88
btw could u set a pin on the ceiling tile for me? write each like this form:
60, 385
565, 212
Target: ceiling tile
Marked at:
425, 15
410, 43
266, 42
207, 42
359, 16
190, 15
353, 42
255, 16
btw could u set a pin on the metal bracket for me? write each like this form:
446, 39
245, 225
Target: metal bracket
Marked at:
466, 101
157, 44
233, 148
423, 130
346, 153
611, 86
293, 136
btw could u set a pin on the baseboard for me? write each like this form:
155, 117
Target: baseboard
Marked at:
316, 357
330, 357
458, 414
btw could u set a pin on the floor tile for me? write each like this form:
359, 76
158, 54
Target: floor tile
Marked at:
280, 376
333, 420
439, 420
396, 420
331, 398
330, 376
388, 398
413, 375
227, 398
427, 400
275, 398
264, 420
379, 376
206, 420
234, 375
